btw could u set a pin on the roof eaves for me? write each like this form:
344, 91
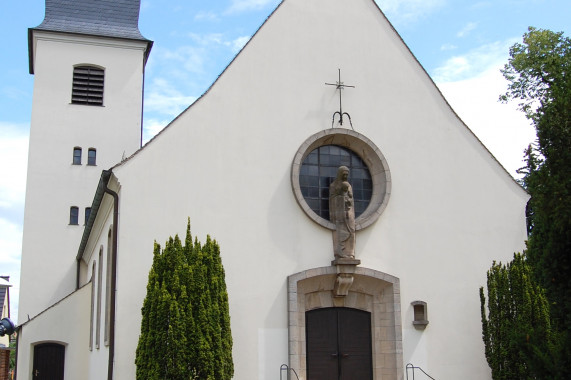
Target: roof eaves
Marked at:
31, 43
446, 101
205, 92
51, 306
97, 199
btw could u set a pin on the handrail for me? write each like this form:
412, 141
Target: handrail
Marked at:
410, 366
287, 369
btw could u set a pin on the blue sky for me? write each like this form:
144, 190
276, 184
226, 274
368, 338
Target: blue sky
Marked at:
462, 44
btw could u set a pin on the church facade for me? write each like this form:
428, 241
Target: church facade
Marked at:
250, 163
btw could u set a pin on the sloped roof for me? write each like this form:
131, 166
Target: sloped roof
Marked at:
109, 18
102, 18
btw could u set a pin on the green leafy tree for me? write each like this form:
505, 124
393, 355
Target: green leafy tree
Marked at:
185, 327
516, 330
538, 72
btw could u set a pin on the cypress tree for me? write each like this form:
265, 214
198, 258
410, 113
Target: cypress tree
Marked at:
516, 330
185, 327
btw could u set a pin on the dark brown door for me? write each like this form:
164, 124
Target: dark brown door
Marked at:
338, 344
48, 361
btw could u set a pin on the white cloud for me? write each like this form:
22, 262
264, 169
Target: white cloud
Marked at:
448, 47
248, 5
474, 62
472, 84
164, 98
151, 127
11, 243
466, 29
207, 39
399, 11
208, 16
218, 39
239, 43
13, 161
10, 254
190, 58
501, 127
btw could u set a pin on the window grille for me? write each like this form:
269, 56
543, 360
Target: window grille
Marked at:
87, 86
91, 156
87, 212
73, 215
77, 156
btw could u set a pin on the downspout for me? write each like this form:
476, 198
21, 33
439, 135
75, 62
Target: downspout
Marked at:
78, 263
19, 332
113, 282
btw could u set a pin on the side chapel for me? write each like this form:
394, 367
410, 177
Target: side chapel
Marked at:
352, 286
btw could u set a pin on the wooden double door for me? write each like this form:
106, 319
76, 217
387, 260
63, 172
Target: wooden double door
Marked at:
339, 344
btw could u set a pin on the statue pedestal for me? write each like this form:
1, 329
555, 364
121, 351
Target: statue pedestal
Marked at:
345, 271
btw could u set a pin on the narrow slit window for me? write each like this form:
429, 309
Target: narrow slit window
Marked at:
108, 288
73, 215
92, 306
99, 287
87, 86
91, 156
77, 156
87, 212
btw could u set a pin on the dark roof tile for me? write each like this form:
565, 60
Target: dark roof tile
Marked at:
108, 18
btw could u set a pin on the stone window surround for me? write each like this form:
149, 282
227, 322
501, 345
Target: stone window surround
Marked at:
372, 291
371, 155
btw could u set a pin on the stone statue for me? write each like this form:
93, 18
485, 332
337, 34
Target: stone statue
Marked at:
342, 214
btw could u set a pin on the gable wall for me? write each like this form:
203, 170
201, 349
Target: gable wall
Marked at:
226, 161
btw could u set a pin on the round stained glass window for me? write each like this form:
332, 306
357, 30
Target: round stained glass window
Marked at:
315, 166
319, 169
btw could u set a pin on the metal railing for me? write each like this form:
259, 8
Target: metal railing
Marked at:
288, 370
412, 367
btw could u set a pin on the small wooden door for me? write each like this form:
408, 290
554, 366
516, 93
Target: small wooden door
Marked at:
339, 344
49, 359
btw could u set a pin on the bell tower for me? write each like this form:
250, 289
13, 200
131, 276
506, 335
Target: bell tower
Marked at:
88, 59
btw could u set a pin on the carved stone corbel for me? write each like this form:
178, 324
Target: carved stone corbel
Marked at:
344, 280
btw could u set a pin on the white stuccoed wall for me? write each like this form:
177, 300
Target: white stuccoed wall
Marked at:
226, 161
66, 323
57, 126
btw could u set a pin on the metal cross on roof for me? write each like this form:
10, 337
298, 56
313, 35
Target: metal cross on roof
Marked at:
340, 86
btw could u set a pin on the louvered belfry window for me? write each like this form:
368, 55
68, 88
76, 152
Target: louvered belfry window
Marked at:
87, 85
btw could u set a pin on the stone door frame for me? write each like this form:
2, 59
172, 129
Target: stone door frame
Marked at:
372, 291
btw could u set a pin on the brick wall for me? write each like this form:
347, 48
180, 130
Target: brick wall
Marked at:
4, 364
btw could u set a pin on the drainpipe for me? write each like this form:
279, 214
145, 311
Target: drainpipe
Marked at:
113, 282
19, 332
78, 263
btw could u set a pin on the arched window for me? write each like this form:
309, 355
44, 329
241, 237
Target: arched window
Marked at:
74, 215
87, 85
91, 156
91, 316
108, 275
77, 155
99, 288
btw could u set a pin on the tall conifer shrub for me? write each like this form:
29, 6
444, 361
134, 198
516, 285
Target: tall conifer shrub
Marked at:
516, 330
185, 329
